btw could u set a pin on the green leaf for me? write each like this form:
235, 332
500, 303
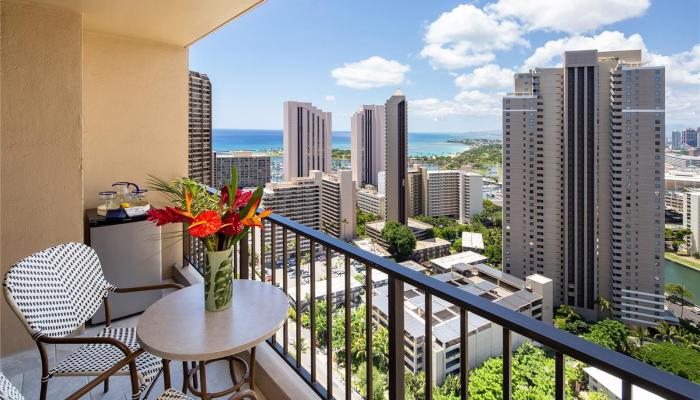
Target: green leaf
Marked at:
257, 194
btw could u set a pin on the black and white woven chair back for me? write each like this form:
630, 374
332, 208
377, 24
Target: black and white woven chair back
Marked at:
8, 391
56, 290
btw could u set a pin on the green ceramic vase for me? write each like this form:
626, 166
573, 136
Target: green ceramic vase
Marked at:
218, 275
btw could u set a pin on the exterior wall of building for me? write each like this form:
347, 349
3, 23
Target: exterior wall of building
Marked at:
307, 139
199, 142
253, 169
443, 193
152, 117
637, 190
41, 198
338, 205
692, 219
587, 196
417, 198
367, 154
371, 201
471, 195
396, 158
298, 200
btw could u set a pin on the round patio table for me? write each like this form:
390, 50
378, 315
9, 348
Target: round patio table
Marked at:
177, 327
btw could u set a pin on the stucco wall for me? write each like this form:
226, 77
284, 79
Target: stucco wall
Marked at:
135, 117
41, 195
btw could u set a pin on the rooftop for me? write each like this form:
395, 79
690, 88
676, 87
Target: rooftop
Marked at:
473, 240
459, 259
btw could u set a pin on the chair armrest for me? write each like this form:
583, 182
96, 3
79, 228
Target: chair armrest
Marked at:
88, 340
149, 287
128, 360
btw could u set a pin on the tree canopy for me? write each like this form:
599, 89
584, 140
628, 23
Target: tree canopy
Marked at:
400, 239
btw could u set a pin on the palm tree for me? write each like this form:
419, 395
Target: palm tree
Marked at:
303, 347
603, 304
640, 333
665, 332
681, 292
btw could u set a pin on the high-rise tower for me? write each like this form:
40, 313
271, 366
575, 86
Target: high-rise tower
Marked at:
199, 165
307, 140
367, 144
396, 164
583, 164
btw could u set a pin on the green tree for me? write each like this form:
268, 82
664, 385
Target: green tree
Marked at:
362, 218
674, 358
640, 333
400, 239
567, 319
533, 376
664, 332
681, 292
611, 334
379, 382
414, 385
603, 304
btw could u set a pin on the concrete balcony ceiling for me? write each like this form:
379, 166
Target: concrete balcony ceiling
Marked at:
173, 22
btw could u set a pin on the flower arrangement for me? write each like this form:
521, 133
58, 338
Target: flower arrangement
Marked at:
219, 219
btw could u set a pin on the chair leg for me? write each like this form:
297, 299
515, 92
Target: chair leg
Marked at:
44, 388
106, 385
44, 371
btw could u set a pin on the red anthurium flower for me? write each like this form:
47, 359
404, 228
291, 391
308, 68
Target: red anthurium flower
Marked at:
242, 198
224, 196
231, 225
205, 224
167, 215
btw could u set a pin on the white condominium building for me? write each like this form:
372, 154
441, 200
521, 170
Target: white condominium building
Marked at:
369, 200
531, 297
307, 139
583, 164
253, 169
367, 146
338, 205
298, 200
453, 193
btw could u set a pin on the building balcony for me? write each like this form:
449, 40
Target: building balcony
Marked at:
97, 93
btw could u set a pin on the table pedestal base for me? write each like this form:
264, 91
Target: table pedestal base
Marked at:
198, 387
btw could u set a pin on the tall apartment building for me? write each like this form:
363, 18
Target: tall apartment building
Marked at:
453, 193
299, 200
583, 163
689, 136
338, 205
369, 200
367, 147
676, 140
417, 181
691, 217
307, 140
199, 159
253, 169
396, 161
443, 193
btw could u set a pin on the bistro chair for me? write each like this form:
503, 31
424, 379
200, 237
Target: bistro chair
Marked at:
54, 292
8, 391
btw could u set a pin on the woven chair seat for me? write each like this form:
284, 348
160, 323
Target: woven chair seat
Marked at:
94, 359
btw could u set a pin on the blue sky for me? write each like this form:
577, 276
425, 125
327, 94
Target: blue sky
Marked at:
453, 60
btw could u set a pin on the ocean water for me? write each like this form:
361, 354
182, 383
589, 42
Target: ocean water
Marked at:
419, 143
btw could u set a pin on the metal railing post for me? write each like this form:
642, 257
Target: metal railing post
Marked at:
244, 257
396, 338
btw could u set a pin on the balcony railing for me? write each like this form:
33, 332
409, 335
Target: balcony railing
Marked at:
251, 266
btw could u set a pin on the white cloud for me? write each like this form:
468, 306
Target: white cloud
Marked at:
489, 76
467, 36
330, 98
373, 72
681, 68
683, 105
468, 103
550, 54
571, 16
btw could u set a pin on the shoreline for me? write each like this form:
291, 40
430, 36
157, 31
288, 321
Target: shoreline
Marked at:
681, 261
